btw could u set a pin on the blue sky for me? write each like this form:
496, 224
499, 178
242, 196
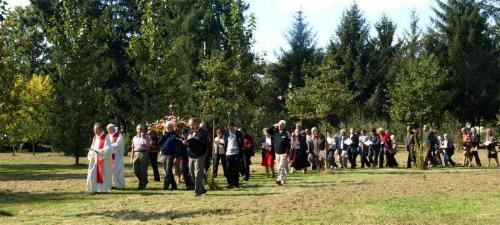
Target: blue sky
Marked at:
274, 17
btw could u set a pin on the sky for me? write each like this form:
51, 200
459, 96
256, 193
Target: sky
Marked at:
274, 18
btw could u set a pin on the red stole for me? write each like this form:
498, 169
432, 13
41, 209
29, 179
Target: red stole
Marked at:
113, 140
100, 163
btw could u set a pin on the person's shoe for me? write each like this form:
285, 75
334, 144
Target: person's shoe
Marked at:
204, 192
229, 186
278, 183
141, 188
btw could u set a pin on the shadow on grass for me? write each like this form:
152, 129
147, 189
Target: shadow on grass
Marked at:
40, 172
127, 215
8, 197
4, 213
235, 194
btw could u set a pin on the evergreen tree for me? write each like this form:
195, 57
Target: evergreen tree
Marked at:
412, 45
297, 62
349, 53
380, 76
469, 53
3, 10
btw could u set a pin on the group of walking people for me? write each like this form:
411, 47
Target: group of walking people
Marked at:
188, 153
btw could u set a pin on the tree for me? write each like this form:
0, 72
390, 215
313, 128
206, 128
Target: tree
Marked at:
25, 38
295, 63
380, 69
3, 9
37, 101
229, 88
77, 33
321, 98
349, 53
419, 95
468, 52
412, 45
28, 104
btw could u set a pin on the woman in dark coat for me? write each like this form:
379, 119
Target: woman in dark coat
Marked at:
299, 142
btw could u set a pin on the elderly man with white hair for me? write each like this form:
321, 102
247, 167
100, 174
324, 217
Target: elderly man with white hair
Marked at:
99, 172
140, 157
281, 146
117, 154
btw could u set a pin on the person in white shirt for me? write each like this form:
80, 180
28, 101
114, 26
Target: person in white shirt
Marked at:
99, 173
364, 143
330, 154
341, 148
117, 154
218, 153
233, 140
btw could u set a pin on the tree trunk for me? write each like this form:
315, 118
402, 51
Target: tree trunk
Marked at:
13, 150
77, 156
20, 147
33, 147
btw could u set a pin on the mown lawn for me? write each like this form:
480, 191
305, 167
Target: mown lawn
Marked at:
48, 189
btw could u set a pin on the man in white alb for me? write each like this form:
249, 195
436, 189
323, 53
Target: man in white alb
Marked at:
117, 152
99, 156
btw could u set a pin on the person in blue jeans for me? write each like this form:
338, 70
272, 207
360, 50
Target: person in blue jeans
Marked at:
449, 151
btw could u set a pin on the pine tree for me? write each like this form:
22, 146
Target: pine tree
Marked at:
380, 75
351, 54
469, 53
295, 63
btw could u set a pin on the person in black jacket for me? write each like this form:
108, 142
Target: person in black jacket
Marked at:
475, 141
299, 142
373, 155
353, 148
410, 147
281, 146
153, 153
196, 143
168, 145
233, 145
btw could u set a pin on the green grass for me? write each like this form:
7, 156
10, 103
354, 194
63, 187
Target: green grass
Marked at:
48, 189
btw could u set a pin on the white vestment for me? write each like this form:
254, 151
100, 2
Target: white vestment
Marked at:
118, 149
102, 154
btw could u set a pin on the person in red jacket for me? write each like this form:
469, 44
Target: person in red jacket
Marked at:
246, 154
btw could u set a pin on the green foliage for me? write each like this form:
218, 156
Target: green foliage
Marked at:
466, 49
418, 95
294, 64
27, 119
350, 54
24, 36
321, 97
3, 10
229, 88
381, 74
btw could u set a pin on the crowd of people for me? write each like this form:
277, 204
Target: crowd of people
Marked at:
188, 152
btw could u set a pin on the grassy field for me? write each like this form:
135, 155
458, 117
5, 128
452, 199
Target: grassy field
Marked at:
48, 189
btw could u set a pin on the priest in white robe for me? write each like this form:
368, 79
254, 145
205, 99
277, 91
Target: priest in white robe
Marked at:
117, 154
99, 173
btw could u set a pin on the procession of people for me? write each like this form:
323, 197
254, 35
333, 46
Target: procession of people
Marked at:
188, 151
